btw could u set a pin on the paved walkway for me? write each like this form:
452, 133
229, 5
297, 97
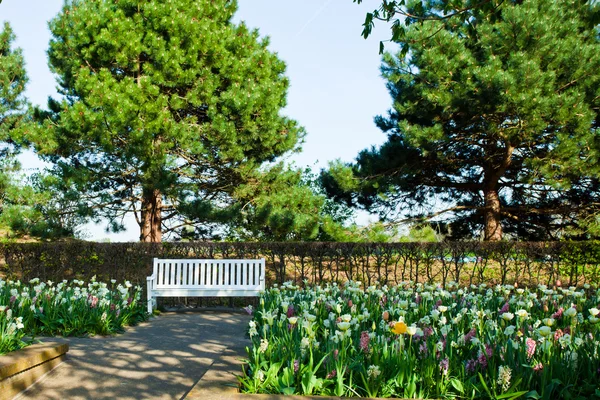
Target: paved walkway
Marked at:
160, 359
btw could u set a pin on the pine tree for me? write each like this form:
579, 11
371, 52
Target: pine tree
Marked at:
402, 13
493, 117
165, 103
13, 79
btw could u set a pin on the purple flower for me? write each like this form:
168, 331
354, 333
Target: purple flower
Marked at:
444, 366
482, 360
296, 366
504, 308
470, 335
485, 356
423, 349
428, 331
383, 300
471, 365
290, 311
489, 351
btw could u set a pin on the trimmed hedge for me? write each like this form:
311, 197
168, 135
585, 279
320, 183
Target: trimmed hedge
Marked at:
526, 263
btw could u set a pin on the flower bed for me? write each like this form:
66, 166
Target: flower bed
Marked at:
66, 309
427, 342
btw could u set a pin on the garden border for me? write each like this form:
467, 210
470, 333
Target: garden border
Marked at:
22, 368
220, 382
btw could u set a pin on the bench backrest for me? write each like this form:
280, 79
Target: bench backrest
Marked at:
194, 273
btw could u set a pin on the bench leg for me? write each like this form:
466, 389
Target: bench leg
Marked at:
150, 299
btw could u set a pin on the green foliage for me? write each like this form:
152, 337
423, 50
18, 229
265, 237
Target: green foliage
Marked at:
13, 79
35, 206
66, 309
164, 106
424, 233
402, 13
493, 123
419, 340
281, 206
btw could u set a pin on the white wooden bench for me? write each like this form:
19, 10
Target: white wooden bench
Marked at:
205, 278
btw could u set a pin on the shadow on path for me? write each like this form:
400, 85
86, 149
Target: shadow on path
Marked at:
159, 359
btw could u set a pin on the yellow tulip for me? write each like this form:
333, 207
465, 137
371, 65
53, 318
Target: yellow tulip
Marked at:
399, 328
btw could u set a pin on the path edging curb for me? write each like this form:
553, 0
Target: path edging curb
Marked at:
22, 368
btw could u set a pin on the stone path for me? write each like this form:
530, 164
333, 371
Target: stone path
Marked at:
160, 359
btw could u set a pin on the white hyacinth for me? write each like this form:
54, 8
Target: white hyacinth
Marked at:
373, 372
504, 375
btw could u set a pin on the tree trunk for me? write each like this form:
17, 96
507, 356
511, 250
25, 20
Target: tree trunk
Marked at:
151, 218
493, 228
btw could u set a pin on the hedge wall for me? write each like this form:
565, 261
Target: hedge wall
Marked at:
387, 263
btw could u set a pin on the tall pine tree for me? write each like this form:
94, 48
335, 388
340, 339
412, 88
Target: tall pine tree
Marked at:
165, 103
13, 78
488, 110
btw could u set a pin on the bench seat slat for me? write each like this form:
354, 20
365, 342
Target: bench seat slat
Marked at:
213, 292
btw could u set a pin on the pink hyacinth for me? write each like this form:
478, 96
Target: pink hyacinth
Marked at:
331, 375
538, 367
364, 342
558, 314
530, 345
558, 334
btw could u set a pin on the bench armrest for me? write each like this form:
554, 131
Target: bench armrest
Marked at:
150, 278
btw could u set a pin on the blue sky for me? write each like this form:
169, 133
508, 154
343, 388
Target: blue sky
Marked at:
335, 84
